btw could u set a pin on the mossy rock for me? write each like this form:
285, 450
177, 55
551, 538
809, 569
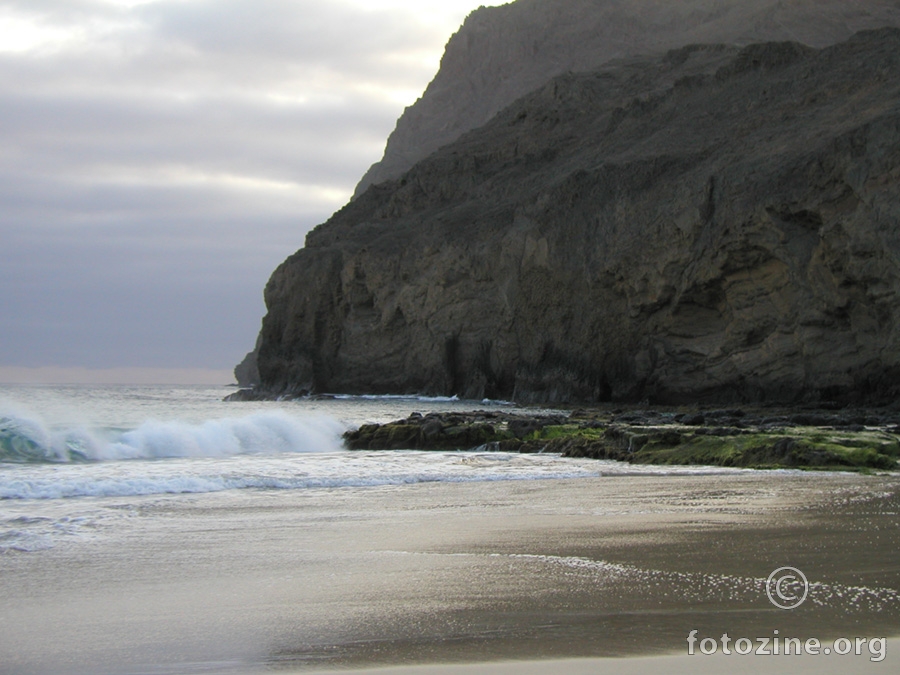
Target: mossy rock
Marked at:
802, 447
763, 451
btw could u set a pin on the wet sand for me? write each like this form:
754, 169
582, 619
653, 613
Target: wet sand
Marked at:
668, 665
300, 581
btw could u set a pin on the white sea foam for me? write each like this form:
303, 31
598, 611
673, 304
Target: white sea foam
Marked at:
28, 534
398, 397
296, 471
260, 433
284, 471
29, 439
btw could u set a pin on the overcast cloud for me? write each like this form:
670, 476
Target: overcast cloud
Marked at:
158, 159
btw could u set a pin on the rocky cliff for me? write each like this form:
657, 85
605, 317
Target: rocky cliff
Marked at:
502, 53
715, 224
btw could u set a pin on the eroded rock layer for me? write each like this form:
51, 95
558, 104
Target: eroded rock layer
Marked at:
715, 224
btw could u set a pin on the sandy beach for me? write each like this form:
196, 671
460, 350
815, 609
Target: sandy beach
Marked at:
597, 575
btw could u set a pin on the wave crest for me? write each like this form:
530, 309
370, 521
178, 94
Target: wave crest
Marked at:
26, 439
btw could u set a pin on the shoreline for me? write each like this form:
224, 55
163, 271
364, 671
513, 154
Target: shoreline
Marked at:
824, 437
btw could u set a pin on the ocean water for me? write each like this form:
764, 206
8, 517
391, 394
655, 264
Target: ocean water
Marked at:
72, 456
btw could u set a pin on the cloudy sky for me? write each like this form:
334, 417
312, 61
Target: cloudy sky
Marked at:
158, 159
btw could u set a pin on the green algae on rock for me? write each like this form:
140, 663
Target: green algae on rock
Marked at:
756, 441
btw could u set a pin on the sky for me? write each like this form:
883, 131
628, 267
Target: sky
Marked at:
159, 158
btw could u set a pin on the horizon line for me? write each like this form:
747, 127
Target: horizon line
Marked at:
123, 375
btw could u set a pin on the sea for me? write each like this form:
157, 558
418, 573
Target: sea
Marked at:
71, 457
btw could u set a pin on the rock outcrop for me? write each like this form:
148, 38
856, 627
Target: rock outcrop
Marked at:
851, 441
715, 224
502, 53
246, 373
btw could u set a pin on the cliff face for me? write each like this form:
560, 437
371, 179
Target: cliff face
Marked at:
715, 224
502, 53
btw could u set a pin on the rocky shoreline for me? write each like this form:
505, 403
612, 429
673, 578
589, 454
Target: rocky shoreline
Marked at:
760, 438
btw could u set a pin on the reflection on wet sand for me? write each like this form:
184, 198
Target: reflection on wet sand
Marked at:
286, 581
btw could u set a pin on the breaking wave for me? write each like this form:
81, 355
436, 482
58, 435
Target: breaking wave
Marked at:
26, 439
